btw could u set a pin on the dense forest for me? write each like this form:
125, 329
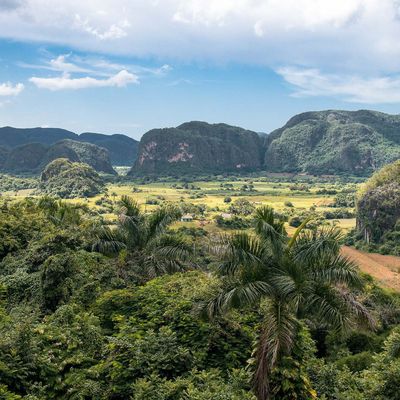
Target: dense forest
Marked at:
131, 308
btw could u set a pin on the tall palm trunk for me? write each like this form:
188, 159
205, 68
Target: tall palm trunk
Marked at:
260, 380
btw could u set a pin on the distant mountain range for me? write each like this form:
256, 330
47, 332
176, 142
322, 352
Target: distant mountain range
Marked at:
320, 142
122, 149
323, 142
33, 157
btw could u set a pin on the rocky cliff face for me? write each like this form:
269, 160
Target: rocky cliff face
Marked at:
331, 142
198, 147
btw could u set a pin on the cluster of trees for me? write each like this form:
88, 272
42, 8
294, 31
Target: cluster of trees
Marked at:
12, 183
134, 311
65, 179
378, 212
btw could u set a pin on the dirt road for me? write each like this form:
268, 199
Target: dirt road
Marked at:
385, 269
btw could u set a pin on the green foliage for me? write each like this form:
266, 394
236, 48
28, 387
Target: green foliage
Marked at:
78, 325
297, 277
198, 385
65, 179
242, 207
378, 209
150, 250
12, 183
334, 142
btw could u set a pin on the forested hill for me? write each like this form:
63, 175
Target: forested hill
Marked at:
122, 149
331, 142
323, 142
33, 157
199, 147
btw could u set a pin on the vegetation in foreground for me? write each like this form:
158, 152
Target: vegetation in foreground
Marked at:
80, 324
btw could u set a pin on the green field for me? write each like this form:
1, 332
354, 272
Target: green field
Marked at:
211, 194
301, 193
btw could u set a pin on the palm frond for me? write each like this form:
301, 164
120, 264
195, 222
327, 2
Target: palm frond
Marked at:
108, 241
337, 270
236, 297
130, 206
238, 251
329, 306
310, 246
267, 226
160, 219
171, 247
361, 313
299, 229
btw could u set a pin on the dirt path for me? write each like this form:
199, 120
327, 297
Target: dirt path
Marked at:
385, 269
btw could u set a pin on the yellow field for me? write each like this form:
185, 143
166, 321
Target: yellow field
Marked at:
266, 193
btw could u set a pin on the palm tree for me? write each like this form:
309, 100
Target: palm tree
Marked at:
295, 278
150, 249
60, 212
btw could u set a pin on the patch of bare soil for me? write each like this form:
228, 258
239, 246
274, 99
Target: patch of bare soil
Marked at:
385, 269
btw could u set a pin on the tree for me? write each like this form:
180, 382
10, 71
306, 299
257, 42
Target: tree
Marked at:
290, 279
150, 250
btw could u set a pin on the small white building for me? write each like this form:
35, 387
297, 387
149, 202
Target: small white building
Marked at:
187, 218
226, 216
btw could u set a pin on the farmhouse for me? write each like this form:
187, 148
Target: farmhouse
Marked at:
187, 218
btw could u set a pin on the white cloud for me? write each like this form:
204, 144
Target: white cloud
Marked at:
114, 31
265, 32
66, 82
8, 89
61, 64
352, 88
356, 39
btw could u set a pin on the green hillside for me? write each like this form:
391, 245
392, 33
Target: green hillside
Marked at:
332, 142
122, 148
33, 157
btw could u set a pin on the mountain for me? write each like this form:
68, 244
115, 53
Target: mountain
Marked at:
66, 179
122, 149
4, 152
33, 157
198, 147
25, 158
331, 142
13, 137
91, 154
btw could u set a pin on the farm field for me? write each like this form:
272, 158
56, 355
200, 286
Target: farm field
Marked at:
206, 199
287, 196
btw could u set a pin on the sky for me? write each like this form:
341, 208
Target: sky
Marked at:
127, 66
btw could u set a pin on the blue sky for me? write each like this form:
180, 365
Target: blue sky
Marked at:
128, 66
